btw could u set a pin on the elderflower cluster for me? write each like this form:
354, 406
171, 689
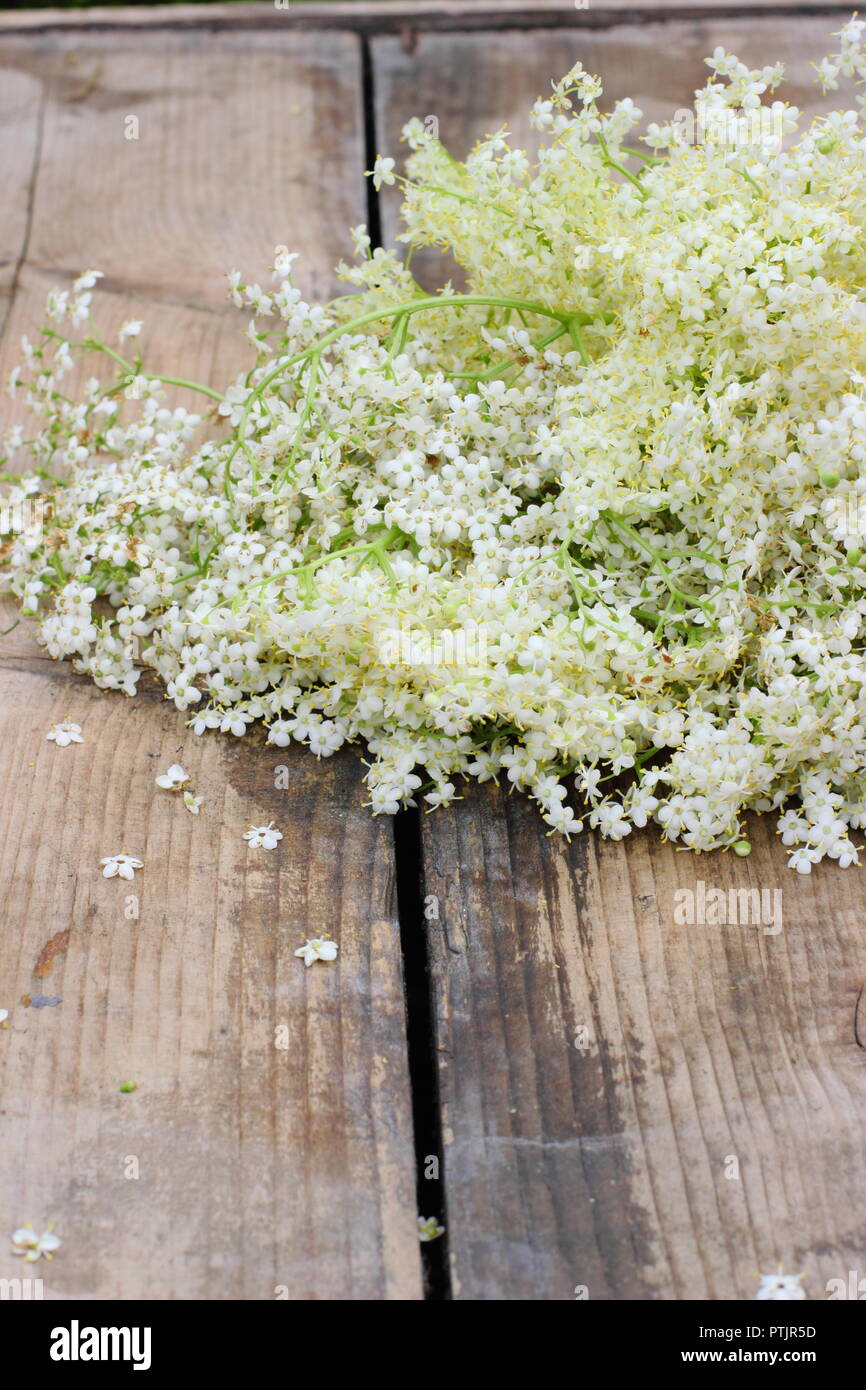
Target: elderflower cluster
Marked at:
629, 453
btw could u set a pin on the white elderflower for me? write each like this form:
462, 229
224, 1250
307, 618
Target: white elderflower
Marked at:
192, 803
130, 329
393, 535
383, 172
263, 836
4, 1014
173, 779
87, 280
780, 1287
64, 733
317, 948
429, 1228
120, 865
33, 1247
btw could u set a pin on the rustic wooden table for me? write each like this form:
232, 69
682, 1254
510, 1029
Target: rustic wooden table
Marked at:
618, 1103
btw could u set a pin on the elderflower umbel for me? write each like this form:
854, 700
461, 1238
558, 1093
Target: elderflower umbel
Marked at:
630, 458
317, 948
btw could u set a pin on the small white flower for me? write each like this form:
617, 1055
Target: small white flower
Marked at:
130, 329
317, 948
173, 779
4, 1014
26, 1242
65, 733
192, 803
429, 1228
263, 836
383, 172
781, 1287
123, 865
87, 279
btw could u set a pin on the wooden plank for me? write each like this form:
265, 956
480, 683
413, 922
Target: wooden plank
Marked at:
262, 1171
388, 16
601, 1160
20, 122
238, 1166
230, 137
599, 1163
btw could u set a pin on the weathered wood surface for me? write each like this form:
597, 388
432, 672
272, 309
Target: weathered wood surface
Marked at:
376, 16
601, 1066
260, 1168
597, 1159
601, 1167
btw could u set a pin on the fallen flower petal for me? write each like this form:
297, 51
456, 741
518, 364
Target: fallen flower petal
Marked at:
65, 733
26, 1242
317, 948
429, 1228
123, 865
263, 836
174, 778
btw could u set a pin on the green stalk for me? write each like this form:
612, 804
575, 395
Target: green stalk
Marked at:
414, 306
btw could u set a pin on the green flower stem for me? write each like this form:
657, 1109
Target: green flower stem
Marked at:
505, 362
648, 159
468, 198
756, 186
657, 561
612, 164
379, 546
188, 385
414, 306
93, 343
309, 398
577, 339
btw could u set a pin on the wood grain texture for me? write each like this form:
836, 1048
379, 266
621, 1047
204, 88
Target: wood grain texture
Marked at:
260, 1168
21, 106
256, 1165
376, 16
600, 1160
232, 134
604, 1169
